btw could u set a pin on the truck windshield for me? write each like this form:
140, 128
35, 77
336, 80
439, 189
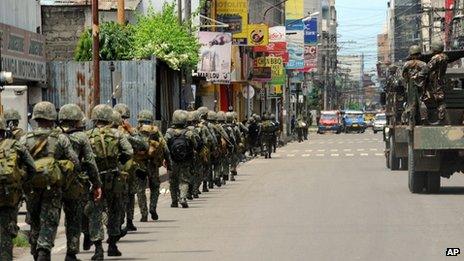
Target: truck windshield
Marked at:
380, 117
328, 117
354, 116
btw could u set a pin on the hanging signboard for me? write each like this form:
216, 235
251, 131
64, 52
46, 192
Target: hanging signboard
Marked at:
277, 68
295, 44
262, 74
258, 34
310, 31
310, 56
294, 9
277, 34
235, 14
215, 56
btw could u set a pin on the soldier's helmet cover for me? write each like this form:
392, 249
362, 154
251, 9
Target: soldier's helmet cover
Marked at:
438, 46
70, 112
123, 109
179, 117
212, 115
203, 111
190, 116
2, 123
230, 117
116, 118
11, 115
44, 110
102, 112
221, 116
145, 116
415, 49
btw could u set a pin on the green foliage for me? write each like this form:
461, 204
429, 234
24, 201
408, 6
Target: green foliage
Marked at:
354, 106
115, 43
21, 241
160, 34
314, 99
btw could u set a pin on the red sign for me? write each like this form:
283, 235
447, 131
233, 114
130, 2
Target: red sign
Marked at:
310, 58
272, 47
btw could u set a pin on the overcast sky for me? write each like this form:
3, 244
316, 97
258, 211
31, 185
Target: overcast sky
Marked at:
361, 21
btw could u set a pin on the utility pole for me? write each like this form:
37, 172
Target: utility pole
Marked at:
121, 13
95, 53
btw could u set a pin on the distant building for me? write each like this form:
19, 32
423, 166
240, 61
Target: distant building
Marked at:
383, 48
354, 65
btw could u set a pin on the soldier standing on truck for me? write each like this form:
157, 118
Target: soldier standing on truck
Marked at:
415, 75
434, 95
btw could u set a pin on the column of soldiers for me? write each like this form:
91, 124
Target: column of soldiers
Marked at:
425, 83
93, 174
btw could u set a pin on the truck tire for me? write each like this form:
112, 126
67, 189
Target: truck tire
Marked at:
433, 182
416, 179
394, 161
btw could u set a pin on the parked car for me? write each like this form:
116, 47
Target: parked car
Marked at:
369, 117
354, 121
330, 121
380, 122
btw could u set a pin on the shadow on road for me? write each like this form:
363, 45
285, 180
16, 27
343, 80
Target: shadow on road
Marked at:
185, 251
451, 191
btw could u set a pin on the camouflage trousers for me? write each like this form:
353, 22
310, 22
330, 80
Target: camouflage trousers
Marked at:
197, 177
8, 231
217, 169
92, 221
73, 211
44, 206
152, 180
179, 180
225, 165
129, 198
235, 160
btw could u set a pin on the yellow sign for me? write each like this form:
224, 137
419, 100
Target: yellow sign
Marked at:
277, 68
294, 9
278, 89
235, 14
258, 34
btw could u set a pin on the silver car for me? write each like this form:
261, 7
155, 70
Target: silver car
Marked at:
379, 122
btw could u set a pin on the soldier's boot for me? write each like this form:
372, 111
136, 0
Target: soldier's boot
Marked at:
234, 172
87, 242
144, 218
183, 203
218, 182
123, 233
98, 251
154, 215
225, 177
174, 204
130, 226
205, 187
232, 178
43, 255
71, 257
112, 247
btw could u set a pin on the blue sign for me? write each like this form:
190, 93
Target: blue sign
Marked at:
310, 31
294, 25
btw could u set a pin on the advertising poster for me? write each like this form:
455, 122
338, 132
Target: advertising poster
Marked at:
277, 68
310, 30
277, 34
235, 14
310, 57
294, 9
295, 45
215, 56
258, 34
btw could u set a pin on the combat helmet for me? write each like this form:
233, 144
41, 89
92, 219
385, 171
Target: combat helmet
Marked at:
11, 115
414, 50
221, 116
102, 112
123, 109
145, 116
437, 47
203, 111
212, 116
45, 111
116, 118
179, 117
229, 117
70, 112
2, 123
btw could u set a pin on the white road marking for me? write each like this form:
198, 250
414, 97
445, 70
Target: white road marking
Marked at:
364, 154
320, 155
308, 150
373, 149
334, 150
305, 155
349, 155
379, 154
321, 150
347, 150
360, 149
334, 155
290, 155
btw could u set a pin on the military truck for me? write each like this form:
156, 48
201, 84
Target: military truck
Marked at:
438, 151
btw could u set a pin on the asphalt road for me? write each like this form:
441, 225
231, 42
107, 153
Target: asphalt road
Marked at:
330, 198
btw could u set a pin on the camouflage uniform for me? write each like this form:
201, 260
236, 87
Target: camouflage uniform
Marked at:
220, 156
44, 204
231, 148
434, 96
10, 195
415, 75
235, 130
180, 173
12, 118
112, 178
268, 131
75, 188
210, 141
138, 144
150, 160
276, 131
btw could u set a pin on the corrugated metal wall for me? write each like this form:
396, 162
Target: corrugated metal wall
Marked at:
71, 82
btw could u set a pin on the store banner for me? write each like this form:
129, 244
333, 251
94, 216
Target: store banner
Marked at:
258, 34
295, 44
310, 30
310, 56
277, 34
215, 56
235, 14
277, 68
294, 9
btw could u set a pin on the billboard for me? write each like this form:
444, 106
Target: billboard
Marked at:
295, 44
215, 56
235, 14
277, 34
277, 68
294, 9
258, 34
310, 58
310, 36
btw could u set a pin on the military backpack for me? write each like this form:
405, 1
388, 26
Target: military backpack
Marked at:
181, 148
105, 145
11, 176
